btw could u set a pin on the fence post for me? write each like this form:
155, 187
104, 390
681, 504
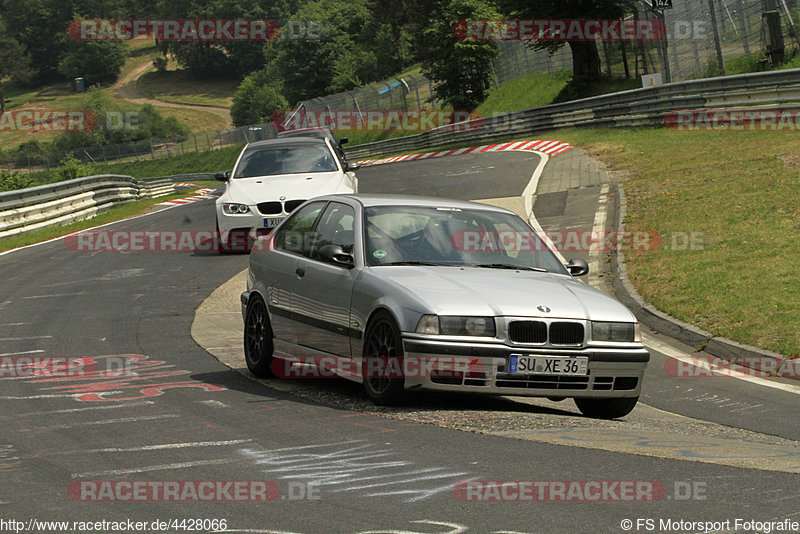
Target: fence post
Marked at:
717, 44
745, 26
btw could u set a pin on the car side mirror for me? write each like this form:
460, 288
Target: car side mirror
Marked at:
577, 267
343, 140
335, 254
352, 166
223, 176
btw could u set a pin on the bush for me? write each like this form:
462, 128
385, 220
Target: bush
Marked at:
96, 61
160, 63
11, 181
71, 168
746, 64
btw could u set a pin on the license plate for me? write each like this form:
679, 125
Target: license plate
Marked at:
547, 365
271, 222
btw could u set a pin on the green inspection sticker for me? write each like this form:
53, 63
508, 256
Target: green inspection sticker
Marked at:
379, 254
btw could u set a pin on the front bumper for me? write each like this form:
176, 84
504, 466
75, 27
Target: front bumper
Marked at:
484, 368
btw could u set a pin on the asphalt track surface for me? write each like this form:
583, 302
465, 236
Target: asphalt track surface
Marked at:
191, 418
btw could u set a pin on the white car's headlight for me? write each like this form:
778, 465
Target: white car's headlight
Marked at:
235, 209
625, 332
451, 325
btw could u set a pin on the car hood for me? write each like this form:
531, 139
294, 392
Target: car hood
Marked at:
292, 186
502, 292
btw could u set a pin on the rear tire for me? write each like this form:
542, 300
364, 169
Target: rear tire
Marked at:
383, 342
258, 348
606, 408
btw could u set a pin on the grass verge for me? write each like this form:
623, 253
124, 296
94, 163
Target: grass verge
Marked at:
737, 193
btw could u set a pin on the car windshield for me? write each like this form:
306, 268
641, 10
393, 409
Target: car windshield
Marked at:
414, 235
285, 160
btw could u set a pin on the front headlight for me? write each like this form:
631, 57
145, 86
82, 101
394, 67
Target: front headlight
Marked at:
235, 209
624, 332
451, 325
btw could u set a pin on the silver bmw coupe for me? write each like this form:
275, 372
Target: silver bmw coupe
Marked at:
403, 293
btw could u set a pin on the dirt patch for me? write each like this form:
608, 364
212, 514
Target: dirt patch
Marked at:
790, 160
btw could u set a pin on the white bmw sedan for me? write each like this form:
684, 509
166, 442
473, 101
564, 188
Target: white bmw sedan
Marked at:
272, 178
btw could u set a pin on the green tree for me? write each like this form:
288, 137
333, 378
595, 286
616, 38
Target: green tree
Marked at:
40, 26
14, 62
257, 99
460, 70
96, 61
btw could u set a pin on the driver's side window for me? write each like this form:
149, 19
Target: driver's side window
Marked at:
296, 234
335, 227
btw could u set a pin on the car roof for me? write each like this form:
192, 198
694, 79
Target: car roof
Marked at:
369, 200
286, 142
305, 132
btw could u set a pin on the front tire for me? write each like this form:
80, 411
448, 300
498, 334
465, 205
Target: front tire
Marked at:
612, 408
383, 357
258, 348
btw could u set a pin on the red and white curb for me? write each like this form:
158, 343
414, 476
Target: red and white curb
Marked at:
183, 184
551, 148
200, 194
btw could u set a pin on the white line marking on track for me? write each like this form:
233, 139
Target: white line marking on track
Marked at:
50, 295
151, 468
527, 197
106, 422
672, 352
32, 397
20, 353
73, 410
163, 446
598, 230
24, 338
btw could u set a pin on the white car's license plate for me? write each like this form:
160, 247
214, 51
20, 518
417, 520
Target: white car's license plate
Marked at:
547, 365
272, 222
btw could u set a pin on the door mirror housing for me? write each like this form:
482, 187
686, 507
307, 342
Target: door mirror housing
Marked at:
577, 267
336, 255
223, 176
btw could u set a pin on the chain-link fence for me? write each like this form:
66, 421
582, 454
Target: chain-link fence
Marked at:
410, 91
702, 36
141, 150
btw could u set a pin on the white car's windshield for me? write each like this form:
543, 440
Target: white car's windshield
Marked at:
285, 160
397, 235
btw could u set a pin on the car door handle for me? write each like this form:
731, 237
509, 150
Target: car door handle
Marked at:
300, 272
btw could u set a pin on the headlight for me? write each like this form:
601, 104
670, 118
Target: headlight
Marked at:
626, 332
235, 209
450, 325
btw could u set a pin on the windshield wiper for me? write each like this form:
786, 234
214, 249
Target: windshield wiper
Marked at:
508, 266
425, 263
